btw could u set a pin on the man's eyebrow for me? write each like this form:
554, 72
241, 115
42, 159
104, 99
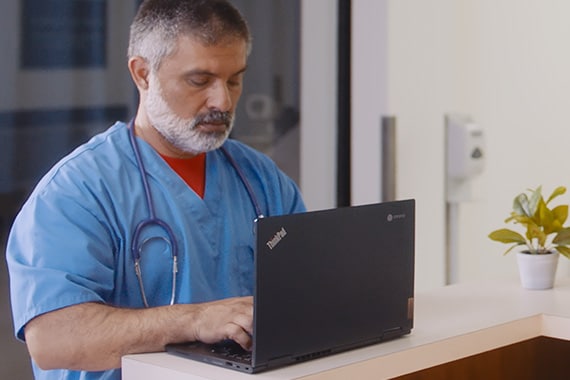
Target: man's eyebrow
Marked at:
241, 71
209, 73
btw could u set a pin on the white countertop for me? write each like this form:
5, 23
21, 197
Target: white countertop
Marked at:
450, 323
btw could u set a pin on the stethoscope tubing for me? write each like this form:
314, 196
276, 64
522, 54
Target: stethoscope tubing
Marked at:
153, 220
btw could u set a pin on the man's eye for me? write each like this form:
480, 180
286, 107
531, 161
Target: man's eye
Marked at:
234, 83
198, 81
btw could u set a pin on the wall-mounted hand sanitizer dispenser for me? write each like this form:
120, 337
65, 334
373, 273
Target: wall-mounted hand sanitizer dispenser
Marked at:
465, 159
465, 155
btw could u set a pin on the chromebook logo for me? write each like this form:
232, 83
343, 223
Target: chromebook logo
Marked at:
392, 217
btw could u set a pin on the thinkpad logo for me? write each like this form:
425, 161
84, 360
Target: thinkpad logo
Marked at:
276, 239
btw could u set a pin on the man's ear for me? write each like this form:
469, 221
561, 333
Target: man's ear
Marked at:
140, 70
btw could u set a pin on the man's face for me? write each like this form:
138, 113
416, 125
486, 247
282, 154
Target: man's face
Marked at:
191, 99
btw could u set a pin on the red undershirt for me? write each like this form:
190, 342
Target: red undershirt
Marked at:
191, 170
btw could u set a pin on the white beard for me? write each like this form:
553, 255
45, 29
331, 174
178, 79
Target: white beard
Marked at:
182, 133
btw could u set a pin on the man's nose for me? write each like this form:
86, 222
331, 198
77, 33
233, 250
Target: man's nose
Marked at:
220, 98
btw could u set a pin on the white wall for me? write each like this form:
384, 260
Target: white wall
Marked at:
506, 63
405, 60
426, 80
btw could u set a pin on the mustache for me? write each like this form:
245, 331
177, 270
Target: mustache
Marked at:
214, 117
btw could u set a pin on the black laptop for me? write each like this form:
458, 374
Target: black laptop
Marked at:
326, 281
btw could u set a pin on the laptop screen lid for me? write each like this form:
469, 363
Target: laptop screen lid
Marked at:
326, 281
332, 280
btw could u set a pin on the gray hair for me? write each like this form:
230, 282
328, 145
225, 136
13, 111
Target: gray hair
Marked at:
159, 23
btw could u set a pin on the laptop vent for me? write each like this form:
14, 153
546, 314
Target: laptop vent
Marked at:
312, 355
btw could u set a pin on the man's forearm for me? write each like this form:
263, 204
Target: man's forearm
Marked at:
94, 337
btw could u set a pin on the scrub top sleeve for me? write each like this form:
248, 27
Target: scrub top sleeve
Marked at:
290, 194
293, 202
297, 203
59, 254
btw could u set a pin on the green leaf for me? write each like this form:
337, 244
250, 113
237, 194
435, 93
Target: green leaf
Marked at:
511, 248
505, 235
534, 201
560, 213
563, 237
520, 205
522, 219
555, 227
545, 218
563, 250
558, 191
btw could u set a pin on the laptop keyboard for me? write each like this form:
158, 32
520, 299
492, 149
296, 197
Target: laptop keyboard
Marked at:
230, 349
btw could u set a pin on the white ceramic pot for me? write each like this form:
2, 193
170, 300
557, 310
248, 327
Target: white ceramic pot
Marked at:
537, 272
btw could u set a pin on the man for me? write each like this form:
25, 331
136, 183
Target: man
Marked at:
77, 300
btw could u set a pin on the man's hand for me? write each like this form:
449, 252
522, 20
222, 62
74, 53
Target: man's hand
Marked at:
231, 318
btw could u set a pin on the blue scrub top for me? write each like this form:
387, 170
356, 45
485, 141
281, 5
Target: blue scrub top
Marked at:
71, 241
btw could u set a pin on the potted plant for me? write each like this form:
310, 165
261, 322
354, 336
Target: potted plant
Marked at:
545, 236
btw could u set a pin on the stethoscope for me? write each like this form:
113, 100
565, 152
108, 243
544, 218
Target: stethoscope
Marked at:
153, 220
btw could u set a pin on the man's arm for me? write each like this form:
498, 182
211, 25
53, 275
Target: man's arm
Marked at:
94, 337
